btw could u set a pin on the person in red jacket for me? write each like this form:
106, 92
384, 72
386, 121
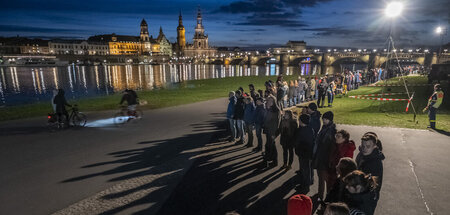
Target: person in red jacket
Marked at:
344, 147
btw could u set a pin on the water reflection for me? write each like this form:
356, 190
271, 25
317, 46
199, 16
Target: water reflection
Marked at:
25, 84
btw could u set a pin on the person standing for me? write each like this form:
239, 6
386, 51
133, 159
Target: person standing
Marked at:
260, 114
230, 115
313, 87
249, 119
239, 116
322, 92
253, 92
304, 146
434, 102
330, 94
288, 127
324, 141
271, 128
315, 115
370, 158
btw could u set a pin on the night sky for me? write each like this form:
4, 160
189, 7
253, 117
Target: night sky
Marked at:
339, 23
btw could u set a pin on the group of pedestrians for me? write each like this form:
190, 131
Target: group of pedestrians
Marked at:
314, 140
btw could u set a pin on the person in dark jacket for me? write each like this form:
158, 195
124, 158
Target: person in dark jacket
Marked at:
362, 192
287, 139
230, 115
370, 158
322, 87
249, 119
271, 128
315, 115
239, 116
131, 98
61, 103
253, 92
325, 139
304, 146
260, 114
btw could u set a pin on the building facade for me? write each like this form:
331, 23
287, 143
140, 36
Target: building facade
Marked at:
200, 46
164, 43
181, 37
145, 39
77, 47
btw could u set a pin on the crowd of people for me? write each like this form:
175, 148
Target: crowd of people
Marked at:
344, 184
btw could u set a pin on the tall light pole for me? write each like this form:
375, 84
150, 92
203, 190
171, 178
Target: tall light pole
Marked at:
441, 31
393, 9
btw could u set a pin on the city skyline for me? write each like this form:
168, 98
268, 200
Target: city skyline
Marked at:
243, 23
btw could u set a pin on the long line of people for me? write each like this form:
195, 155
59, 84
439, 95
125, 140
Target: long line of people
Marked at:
315, 140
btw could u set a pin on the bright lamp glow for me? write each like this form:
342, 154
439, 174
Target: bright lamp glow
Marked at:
393, 9
439, 30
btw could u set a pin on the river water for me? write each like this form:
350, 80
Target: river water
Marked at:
31, 84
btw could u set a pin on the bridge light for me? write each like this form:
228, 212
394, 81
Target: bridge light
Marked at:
401, 50
393, 9
374, 50
364, 50
359, 50
384, 50
329, 50
410, 50
345, 50
439, 30
426, 51
417, 50
278, 51
304, 50
349, 50
334, 50
395, 50
445, 50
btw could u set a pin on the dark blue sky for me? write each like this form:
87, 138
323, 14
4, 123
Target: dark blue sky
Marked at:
342, 23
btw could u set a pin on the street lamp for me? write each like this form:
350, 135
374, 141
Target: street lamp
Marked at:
393, 9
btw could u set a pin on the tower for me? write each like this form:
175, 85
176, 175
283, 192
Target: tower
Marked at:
144, 38
200, 40
181, 39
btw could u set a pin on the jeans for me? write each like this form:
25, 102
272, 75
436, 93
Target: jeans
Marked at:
317, 94
249, 130
330, 98
258, 129
232, 123
240, 129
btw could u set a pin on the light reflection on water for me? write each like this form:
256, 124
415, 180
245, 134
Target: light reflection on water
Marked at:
28, 84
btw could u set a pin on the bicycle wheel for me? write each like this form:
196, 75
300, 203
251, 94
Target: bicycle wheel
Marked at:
120, 119
79, 120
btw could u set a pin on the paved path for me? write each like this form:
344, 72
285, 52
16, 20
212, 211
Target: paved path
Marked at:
101, 169
148, 168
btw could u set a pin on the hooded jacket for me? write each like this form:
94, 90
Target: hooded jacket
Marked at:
365, 201
338, 151
372, 164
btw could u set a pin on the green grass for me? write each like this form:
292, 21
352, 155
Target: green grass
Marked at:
183, 93
347, 110
390, 113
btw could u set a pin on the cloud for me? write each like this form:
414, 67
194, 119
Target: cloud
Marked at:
250, 30
284, 13
22, 28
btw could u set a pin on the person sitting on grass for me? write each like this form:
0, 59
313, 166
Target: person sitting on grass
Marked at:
288, 127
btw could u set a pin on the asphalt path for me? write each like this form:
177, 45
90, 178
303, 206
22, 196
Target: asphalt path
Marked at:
134, 166
175, 161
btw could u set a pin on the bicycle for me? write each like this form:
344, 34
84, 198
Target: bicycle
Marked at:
77, 118
125, 115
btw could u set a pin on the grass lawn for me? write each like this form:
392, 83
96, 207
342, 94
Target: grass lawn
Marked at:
347, 110
390, 113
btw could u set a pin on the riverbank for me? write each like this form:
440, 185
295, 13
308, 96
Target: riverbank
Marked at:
347, 110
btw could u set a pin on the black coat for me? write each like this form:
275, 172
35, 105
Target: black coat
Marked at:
324, 141
239, 109
372, 164
287, 138
304, 143
61, 103
314, 122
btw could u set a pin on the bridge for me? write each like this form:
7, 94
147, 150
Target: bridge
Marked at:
327, 59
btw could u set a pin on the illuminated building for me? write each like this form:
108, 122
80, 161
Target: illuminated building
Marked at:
144, 39
200, 45
181, 38
77, 47
164, 43
119, 44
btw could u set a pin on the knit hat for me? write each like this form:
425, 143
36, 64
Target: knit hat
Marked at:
299, 205
304, 118
328, 115
312, 106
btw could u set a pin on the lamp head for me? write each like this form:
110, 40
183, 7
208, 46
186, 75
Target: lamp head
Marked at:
393, 9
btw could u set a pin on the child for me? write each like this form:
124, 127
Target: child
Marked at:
288, 127
337, 209
345, 166
362, 192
